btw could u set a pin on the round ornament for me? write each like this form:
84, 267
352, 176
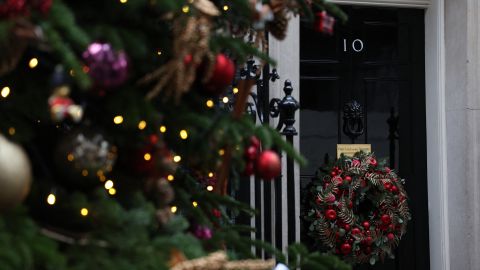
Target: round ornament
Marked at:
16, 175
221, 76
268, 165
106, 67
376, 217
85, 154
13, 8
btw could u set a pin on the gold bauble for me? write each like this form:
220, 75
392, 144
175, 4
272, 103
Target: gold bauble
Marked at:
15, 174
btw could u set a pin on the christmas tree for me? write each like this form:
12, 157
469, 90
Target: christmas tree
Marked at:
123, 127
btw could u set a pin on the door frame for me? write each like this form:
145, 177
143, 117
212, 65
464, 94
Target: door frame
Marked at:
287, 53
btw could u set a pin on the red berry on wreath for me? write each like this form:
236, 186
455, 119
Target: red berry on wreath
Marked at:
346, 227
333, 173
251, 153
368, 240
346, 248
331, 198
331, 214
318, 200
222, 75
268, 165
249, 168
387, 185
394, 189
356, 231
367, 250
356, 163
386, 219
390, 236
348, 178
254, 141
366, 225
373, 162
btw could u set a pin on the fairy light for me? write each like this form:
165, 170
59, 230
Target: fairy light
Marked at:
225, 7
123, 1
11, 131
118, 119
72, 73
177, 158
225, 99
85, 69
147, 156
183, 134
210, 174
170, 177
5, 92
51, 199
185, 9
159, 52
173, 209
85, 172
195, 204
235, 90
33, 63
163, 129
112, 191
210, 103
142, 125
221, 152
70, 157
209, 188
84, 212
108, 184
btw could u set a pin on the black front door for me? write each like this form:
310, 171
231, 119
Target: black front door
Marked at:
376, 59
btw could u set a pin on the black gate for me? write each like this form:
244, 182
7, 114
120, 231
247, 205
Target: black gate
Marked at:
377, 60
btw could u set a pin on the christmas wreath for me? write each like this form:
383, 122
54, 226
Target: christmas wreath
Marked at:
357, 208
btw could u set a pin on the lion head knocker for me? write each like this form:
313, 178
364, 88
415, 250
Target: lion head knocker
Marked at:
353, 125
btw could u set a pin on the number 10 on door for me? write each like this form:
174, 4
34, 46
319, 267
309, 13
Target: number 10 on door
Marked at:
356, 45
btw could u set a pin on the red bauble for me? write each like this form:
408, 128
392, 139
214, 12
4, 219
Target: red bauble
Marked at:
346, 248
331, 198
387, 186
390, 236
346, 227
13, 8
331, 214
249, 168
251, 153
394, 189
222, 75
368, 240
333, 173
348, 178
386, 219
42, 5
366, 225
356, 231
268, 165
216, 213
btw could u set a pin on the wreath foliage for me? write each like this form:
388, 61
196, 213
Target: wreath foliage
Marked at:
357, 209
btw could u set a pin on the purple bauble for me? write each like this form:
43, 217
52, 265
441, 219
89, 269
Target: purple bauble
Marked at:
203, 232
106, 67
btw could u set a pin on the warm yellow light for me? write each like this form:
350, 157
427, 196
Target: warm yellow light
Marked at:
209, 188
102, 178
99, 173
225, 7
84, 212
108, 184
159, 52
70, 157
235, 90
173, 209
33, 63
11, 131
185, 9
85, 172
123, 1
147, 156
112, 191
225, 99
170, 177
51, 199
221, 152
163, 129
210, 174
118, 119
195, 204
183, 134
5, 91
72, 73
142, 125
210, 103
177, 158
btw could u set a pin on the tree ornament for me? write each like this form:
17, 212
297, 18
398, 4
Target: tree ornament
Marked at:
63, 107
220, 76
365, 203
202, 232
16, 175
106, 67
85, 154
43, 6
268, 165
13, 8
324, 23
279, 25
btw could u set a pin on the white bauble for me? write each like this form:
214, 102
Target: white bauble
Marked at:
15, 174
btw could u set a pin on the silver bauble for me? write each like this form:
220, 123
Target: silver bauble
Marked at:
15, 174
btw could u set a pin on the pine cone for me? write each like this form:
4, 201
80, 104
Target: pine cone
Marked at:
278, 27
